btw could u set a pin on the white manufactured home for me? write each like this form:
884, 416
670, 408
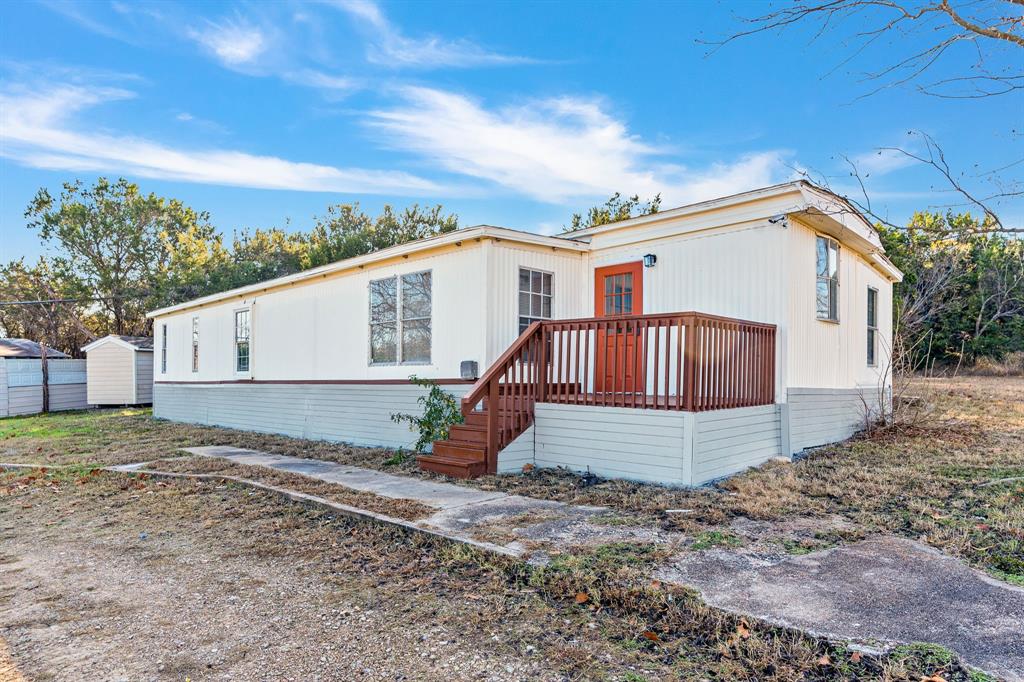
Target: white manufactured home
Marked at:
678, 347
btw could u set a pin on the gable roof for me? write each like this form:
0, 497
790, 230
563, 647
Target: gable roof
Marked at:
25, 348
135, 343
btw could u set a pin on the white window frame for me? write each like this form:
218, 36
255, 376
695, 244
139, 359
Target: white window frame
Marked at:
399, 321
551, 296
163, 348
195, 344
833, 303
234, 341
872, 329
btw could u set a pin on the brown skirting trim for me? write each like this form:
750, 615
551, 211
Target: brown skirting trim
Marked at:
306, 382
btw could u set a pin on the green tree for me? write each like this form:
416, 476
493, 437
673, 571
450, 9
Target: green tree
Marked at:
962, 296
263, 254
346, 231
117, 242
614, 210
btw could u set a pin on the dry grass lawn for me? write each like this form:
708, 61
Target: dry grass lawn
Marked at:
119, 576
955, 481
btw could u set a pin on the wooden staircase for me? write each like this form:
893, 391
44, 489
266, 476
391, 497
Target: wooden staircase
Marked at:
496, 410
464, 454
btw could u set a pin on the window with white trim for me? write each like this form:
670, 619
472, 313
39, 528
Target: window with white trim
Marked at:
243, 345
827, 285
400, 319
535, 297
872, 327
195, 344
163, 349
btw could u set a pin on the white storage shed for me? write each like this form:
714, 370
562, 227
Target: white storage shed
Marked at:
119, 370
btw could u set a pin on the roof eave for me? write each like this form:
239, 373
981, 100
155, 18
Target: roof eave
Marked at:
478, 232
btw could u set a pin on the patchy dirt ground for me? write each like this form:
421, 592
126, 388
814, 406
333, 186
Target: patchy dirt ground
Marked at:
111, 576
954, 481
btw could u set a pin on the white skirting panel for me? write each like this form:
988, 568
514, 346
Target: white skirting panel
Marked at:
667, 447
818, 416
613, 442
518, 453
350, 413
728, 441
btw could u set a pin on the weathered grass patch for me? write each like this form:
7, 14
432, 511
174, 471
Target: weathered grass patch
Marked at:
624, 624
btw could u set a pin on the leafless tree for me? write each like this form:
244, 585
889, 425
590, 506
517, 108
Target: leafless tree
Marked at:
914, 35
918, 34
1002, 292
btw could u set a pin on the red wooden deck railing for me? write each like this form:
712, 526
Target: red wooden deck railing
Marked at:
681, 361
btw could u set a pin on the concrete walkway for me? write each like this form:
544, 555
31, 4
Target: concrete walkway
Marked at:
877, 592
520, 526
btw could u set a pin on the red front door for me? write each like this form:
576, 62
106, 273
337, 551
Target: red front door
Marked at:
618, 290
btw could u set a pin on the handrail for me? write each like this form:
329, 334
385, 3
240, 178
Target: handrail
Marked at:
476, 393
686, 361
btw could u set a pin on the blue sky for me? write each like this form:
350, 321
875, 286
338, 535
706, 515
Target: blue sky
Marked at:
515, 114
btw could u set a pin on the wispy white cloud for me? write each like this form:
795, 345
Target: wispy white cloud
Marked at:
36, 130
234, 42
390, 47
557, 149
78, 13
881, 162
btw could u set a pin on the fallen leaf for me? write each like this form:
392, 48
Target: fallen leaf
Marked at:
653, 636
855, 657
742, 629
582, 597
527, 468
825, 660
656, 584
933, 678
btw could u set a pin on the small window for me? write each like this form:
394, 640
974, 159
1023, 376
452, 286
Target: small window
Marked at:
195, 344
535, 297
872, 327
163, 349
243, 349
827, 287
400, 319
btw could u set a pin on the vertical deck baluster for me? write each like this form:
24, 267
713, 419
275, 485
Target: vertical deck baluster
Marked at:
586, 384
668, 364
643, 363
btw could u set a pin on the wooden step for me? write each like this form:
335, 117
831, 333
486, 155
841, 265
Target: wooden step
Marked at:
469, 452
476, 419
459, 459
468, 433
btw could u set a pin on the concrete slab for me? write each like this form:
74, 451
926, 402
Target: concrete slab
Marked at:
883, 589
437, 495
